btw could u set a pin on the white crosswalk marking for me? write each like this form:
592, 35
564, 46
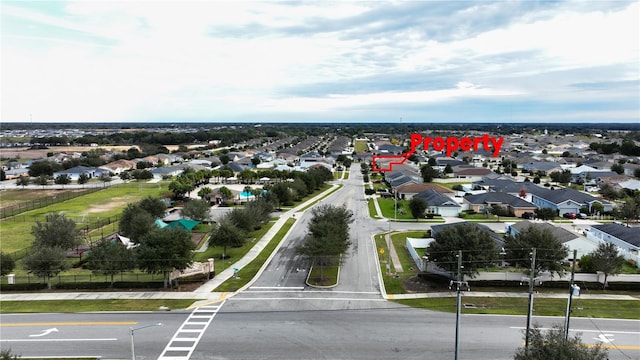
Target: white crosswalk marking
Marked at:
187, 337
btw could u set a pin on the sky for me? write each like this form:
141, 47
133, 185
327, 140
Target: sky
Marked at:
320, 61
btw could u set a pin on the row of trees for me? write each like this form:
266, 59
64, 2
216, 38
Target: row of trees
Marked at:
156, 250
328, 236
480, 250
234, 228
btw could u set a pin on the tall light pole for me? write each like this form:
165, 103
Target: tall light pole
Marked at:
131, 331
458, 301
571, 289
530, 312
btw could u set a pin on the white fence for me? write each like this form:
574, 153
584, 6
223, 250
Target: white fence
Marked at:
425, 266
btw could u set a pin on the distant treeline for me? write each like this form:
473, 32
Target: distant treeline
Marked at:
229, 134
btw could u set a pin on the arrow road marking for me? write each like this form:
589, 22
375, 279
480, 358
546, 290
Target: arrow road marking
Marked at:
605, 338
45, 332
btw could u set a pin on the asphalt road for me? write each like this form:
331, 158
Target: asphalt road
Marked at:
278, 329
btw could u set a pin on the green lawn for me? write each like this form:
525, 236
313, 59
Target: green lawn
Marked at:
324, 276
618, 309
360, 146
106, 204
372, 209
68, 306
389, 209
248, 272
393, 282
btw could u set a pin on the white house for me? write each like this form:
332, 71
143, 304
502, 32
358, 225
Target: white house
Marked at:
626, 238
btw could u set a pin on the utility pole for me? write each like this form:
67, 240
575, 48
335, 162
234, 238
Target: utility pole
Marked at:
458, 301
571, 286
530, 312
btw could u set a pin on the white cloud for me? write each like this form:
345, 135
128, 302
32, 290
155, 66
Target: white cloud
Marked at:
142, 59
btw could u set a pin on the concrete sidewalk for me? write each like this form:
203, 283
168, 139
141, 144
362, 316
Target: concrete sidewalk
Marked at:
204, 292
509, 294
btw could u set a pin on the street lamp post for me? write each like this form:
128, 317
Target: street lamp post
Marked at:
131, 332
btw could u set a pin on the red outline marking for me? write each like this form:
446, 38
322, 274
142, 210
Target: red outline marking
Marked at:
402, 158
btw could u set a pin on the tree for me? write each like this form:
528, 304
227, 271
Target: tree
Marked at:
22, 181
328, 236
180, 188
607, 259
141, 174
608, 191
56, 231
43, 167
619, 169
7, 264
6, 354
636, 172
135, 222
549, 251
163, 250
448, 169
42, 180
154, 206
104, 177
45, 262
62, 179
204, 192
481, 248
630, 210
418, 207
83, 178
545, 213
225, 193
110, 258
597, 208
255, 160
429, 173
227, 234
196, 210
552, 345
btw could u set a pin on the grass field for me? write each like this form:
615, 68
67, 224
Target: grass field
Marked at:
360, 146
64, 306
15, 232
614, 309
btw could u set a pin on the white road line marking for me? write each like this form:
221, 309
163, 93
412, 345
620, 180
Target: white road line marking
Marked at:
278, 287
204, 312
302, 299
57, 340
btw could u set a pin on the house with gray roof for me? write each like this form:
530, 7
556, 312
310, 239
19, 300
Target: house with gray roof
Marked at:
572, 241
567, 200
542, 167
481, 203
626, 238
438, 203
75, 172
497, 238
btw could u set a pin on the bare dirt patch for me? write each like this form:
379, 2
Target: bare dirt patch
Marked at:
26, 153
18, 196
115, 203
